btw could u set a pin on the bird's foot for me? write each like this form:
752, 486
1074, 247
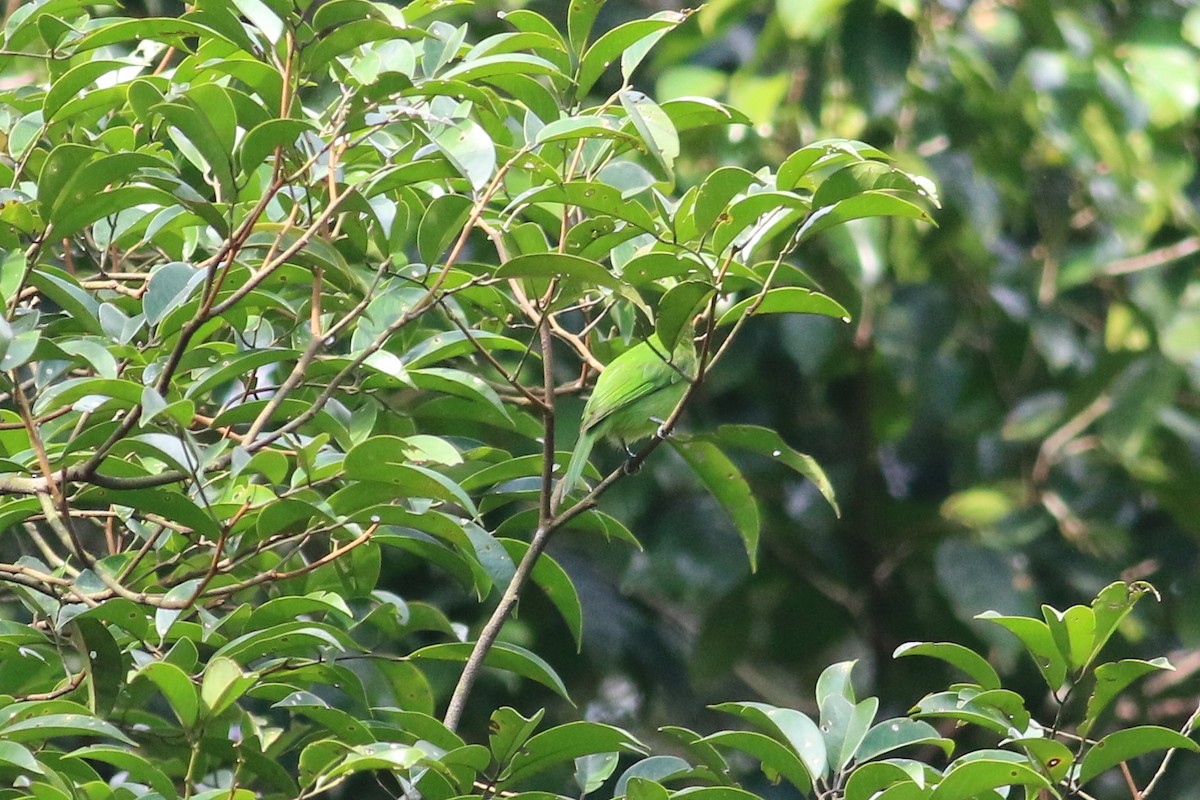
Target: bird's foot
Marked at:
663, 431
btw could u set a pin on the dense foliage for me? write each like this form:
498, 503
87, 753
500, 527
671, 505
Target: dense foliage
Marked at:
299, 303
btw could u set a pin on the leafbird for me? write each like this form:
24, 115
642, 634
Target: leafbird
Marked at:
633, 396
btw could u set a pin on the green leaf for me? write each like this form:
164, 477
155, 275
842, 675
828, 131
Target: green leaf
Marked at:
1035, 636
969, 779
957, 655
1074, 633
138, 767
654, 127
105, 665
871, 780
1125, 745
677, 309
570, 129
386, 460
581, 15
893, 734
1054, 757
787, 726
596, 197
835, 680
505, 656
223, 683
1111, 680
265, 138
867, 204
554, 581
844, 725
566, 743
777, 759
613, 44
785, 300
767, 442
558, 265
1111, 606
467, 145
68, 295
654, 768
510, 731
51, 726
18, 757
177, 687
718, 190
591, 771
724, 481
441, 225
169, 287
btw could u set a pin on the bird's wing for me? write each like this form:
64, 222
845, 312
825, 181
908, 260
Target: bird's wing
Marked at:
634, 374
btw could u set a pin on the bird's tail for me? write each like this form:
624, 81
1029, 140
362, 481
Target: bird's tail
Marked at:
575, 467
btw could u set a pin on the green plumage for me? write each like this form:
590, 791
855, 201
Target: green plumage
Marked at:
633, 396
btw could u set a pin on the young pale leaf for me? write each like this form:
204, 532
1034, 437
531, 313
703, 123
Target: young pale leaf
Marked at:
724, 480
223, 683
957, 655
1126, 745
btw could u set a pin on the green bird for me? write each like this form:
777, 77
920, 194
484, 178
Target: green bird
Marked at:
632, 398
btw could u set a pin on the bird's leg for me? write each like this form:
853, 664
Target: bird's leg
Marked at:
630, 467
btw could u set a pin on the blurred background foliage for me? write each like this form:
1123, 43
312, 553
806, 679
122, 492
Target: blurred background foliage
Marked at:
1012, 417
